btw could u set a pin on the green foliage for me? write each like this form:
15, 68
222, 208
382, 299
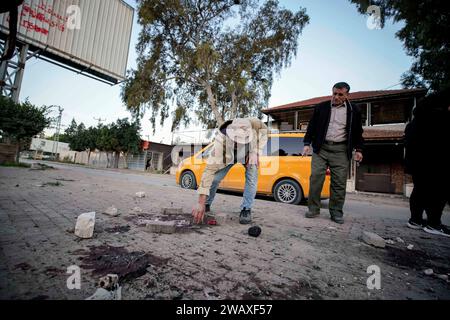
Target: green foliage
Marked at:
425, 35
213, 58
21, 121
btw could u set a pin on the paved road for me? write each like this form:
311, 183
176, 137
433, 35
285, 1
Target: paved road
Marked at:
355, 205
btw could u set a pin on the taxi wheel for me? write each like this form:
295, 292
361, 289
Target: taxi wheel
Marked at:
187, 180
288, 191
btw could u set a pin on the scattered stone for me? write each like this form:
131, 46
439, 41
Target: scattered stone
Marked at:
254, 231
167, 227
172, 210
102, 294
410, 247
398, 239
428, 272
140, 194
137, 210
442, 276
390, 241
85, 225
373, 239
112, 211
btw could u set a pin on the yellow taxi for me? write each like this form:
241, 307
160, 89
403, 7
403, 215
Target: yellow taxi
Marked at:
283, 172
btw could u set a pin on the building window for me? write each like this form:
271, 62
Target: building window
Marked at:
394, 111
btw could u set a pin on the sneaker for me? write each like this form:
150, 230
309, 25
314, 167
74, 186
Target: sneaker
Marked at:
310, 214
245, 217
339, 220
441, 230
207, 208
415, 225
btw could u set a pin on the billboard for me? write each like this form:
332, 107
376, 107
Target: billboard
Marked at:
90, 36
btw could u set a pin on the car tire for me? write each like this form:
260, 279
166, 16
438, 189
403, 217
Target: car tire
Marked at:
288, 191
188, 181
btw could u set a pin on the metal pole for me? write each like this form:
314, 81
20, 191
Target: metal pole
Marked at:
20, 70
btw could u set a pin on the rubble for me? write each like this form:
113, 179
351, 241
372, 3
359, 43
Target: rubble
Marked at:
410, 247
428, 272
112, 211
172, 210
84, 227
140, 194
390, 241
373, 239
156, 226
398, 239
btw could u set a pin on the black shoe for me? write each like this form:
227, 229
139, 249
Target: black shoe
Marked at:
245, 217
339, 220
207, 208
310, 214
416, 225
441, 230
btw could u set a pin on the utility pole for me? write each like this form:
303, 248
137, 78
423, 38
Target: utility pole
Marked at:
100, 120
58, 128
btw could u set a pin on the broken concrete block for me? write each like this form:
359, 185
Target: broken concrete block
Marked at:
373, 239
85, 225
112, 211
140, 194
390, 241
410, 247
161, 226
428, 272
398, 239
442, 276
172, 210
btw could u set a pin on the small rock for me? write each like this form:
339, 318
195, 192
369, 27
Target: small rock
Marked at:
373, 239
410, 247
140, 194
112, 211
254, 231
168, 227
85, 225
442, 276
137, 209
398, 239
172, 210
389, 241
102, 294
428, 272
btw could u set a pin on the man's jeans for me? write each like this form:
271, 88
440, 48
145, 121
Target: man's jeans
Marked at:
335, 157
251, 183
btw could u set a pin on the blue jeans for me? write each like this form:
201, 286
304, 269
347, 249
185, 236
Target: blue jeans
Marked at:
251, 183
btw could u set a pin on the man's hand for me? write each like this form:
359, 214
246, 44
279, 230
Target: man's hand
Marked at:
306, 151
198, 212
358, 156
253, 159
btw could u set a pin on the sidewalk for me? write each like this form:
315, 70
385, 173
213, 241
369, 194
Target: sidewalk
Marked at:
294, 258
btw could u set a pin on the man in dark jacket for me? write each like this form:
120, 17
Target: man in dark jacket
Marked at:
427, 138
334, 132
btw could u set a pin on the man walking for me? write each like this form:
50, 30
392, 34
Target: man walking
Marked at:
334, 132
241, 140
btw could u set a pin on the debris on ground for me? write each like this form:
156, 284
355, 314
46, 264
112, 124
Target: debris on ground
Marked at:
398, 239
109, 289
112, 211
442, 276
51, 184
137, 210
254, 231
118, 260
157, 226
390, 241
410, 247
84, 227
140, 194
428, 272
172, 211
118, 229
373, 239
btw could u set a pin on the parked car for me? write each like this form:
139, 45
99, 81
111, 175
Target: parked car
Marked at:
283, 172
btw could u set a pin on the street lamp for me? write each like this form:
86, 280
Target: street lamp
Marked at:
58, 128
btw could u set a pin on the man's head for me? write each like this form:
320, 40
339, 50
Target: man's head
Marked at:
240, 131
340, 93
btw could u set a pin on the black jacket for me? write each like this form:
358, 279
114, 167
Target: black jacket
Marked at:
318, 127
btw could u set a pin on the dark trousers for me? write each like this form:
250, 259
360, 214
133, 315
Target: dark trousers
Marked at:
429, 196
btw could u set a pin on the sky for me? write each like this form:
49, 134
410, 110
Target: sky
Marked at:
335, 46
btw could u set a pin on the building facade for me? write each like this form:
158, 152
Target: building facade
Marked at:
385, 115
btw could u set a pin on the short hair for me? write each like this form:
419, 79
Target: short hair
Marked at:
342, 85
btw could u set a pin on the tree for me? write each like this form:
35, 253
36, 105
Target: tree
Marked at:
19, 122
119, 137
215, 58
425, 37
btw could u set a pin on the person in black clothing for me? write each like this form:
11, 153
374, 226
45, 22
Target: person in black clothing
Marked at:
334, 132
426, 159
